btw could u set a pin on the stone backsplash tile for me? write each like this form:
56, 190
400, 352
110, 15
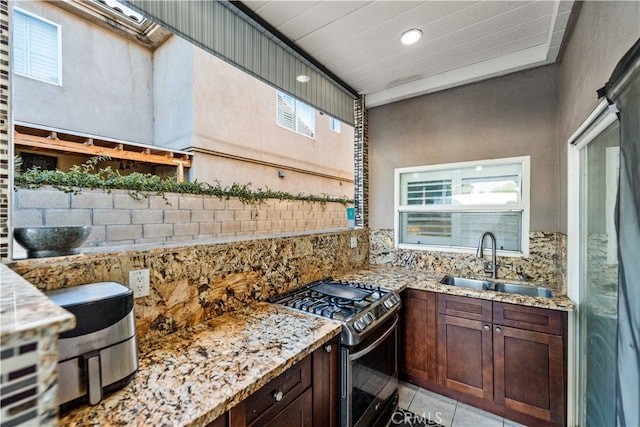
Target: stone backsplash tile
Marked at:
194, 283
546, 263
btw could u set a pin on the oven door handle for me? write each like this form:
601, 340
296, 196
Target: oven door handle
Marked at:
375, 344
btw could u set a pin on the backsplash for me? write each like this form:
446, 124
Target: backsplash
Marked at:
191, 284
546, 263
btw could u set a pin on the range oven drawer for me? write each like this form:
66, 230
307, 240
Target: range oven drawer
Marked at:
273, 397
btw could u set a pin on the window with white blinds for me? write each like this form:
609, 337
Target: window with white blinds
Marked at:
36, 47
334, 124
448, 207
296, 115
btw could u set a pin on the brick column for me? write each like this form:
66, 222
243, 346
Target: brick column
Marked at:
5, 149
361, 160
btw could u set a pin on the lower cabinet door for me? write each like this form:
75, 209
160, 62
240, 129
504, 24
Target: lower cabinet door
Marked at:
297, 414
419, 336
465, 356
529, 373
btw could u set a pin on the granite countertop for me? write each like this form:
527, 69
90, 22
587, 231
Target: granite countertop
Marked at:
399, 278
26, 310
193, 376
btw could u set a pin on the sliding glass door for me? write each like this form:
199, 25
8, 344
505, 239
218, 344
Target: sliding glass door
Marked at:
598, 277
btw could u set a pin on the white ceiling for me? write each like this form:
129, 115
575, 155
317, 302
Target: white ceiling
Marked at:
463, 41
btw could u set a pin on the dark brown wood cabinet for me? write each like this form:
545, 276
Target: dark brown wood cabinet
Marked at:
306, 395
465, 356
418, 336
465, 352
297, 413
529, 365
504, 358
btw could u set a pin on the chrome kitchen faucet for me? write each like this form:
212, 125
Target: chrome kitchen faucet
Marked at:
489, 267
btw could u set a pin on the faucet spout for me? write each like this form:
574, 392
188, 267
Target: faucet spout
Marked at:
488, 268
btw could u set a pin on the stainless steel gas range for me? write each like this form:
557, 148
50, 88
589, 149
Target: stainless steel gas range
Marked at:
368, 344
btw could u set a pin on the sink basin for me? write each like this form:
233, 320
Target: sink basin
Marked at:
482, 285
507, 288
533, 291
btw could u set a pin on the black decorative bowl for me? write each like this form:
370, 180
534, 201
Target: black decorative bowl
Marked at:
43, 242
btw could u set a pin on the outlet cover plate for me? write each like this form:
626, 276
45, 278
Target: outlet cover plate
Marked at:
139, 282
354, 242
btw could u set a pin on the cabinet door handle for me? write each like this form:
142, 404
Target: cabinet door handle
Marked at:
498, 330
486, 327
277, 395
327, 348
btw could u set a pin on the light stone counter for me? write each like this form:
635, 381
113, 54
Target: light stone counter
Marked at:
194, 375
399, 278
26, 310
30, 320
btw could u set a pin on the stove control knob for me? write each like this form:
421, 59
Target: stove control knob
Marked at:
358, 325
365, 319
388, 303
371, 317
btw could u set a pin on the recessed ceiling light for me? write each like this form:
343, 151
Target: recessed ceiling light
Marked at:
411, 36
302, 78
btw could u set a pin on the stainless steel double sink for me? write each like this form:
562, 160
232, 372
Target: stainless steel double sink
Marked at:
508, 288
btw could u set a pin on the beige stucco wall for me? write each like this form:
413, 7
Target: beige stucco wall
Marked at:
227, 117
603, 32
106, 82
514, 115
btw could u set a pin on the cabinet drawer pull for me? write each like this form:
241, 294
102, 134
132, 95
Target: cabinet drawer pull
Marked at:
498, 330
485, 327
327, 348
277, 395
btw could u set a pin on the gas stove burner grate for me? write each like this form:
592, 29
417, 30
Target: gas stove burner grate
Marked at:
359, 307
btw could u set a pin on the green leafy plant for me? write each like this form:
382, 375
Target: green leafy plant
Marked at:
140, 185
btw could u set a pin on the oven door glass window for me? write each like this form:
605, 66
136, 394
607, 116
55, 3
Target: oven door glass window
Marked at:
374, 376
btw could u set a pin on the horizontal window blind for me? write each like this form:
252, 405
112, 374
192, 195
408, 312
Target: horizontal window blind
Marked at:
286, 111
295, 115
224, 30
435, 192
35, 48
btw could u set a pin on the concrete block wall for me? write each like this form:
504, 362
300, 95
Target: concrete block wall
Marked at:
119, 219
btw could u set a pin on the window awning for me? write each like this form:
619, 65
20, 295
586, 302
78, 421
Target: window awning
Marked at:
47, 139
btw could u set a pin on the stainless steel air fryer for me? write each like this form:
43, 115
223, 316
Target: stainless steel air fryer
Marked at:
100, 355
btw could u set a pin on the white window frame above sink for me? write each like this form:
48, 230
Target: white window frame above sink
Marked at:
432, 204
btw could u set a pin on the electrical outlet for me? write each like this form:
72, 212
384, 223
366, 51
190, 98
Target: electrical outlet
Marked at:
354, 242
139, 282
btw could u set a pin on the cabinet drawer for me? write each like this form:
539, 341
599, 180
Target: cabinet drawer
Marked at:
529, 318
290, 384
468, 308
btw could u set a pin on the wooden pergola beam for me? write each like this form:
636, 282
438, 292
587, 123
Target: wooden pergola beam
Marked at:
95, 150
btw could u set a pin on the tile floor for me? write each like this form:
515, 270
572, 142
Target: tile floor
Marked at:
446, 411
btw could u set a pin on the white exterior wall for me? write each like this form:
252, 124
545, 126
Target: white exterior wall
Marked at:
106, 83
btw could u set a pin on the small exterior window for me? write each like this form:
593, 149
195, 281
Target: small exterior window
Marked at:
448, 207
296, 115
36, 47
334, 124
